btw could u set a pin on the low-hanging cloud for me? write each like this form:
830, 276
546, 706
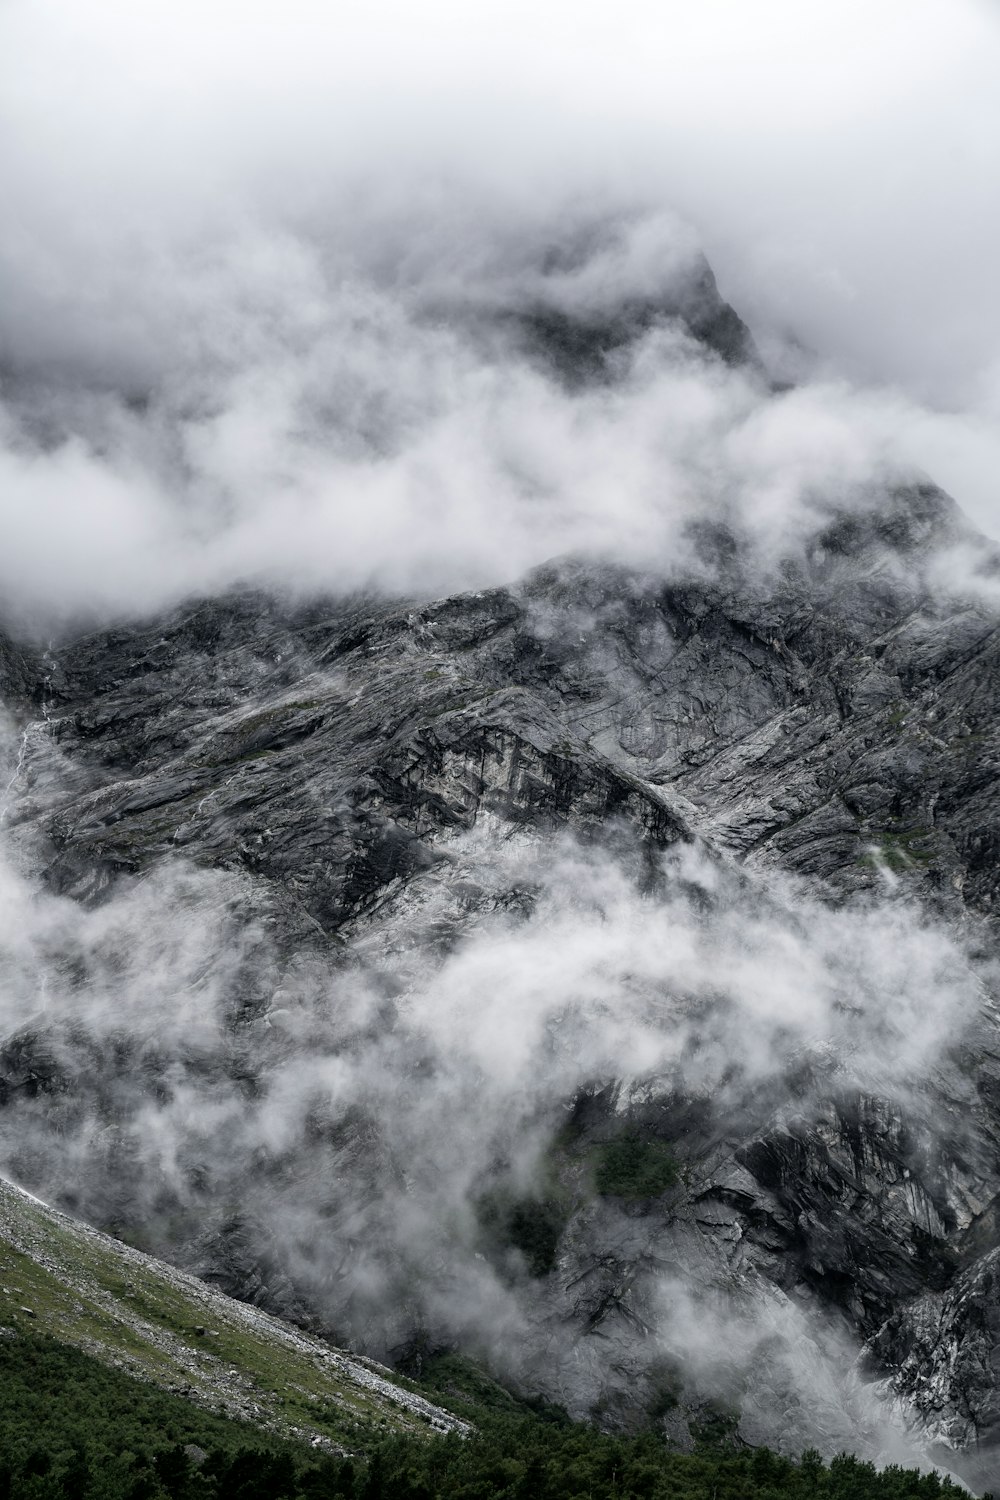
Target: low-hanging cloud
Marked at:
262, 275
341, 435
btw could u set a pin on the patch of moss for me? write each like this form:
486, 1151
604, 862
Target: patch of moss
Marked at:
633, 1168
665, 1389
532, 1225
716, 1429
462, 1385
901, 851
269, 716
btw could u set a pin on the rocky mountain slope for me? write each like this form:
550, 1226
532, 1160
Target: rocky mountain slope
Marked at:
594, 972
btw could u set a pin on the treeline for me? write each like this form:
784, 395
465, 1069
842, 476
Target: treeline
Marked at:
522, 1459
71, 1429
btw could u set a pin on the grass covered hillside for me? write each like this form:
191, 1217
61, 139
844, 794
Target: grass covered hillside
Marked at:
61, 1278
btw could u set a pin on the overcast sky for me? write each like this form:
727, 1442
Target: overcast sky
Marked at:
171, 174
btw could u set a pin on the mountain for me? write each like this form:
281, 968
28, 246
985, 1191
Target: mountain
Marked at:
594, 973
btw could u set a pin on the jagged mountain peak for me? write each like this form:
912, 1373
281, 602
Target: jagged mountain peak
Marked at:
585, 343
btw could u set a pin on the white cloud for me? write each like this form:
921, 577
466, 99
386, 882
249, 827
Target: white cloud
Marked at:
225, 230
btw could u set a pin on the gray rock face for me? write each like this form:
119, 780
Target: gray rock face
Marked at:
584, 347
356, 789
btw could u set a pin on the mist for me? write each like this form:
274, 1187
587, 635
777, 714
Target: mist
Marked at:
261, 278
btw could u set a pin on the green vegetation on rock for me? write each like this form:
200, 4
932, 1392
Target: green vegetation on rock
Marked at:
633, 1168
529, 1224
898, 852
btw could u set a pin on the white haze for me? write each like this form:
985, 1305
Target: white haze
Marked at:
247, 260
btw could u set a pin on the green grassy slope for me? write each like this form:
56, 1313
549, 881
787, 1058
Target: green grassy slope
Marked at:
61, 1278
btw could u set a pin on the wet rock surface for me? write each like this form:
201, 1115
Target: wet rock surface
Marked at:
839, 721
